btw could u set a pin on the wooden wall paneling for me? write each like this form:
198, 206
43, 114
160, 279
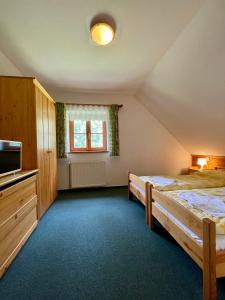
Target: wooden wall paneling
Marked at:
214, 162
17, 116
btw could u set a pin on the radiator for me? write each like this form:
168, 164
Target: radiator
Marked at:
87, 174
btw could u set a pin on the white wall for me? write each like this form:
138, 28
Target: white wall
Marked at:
146, 147
7, 68
186, 90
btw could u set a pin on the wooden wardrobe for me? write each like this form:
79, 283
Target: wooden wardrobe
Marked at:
27, 114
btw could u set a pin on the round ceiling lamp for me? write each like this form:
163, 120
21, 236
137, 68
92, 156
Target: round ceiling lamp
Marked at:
102, 30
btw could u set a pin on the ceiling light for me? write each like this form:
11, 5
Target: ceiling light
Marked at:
102, 33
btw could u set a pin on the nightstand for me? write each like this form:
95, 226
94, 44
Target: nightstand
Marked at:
193, 169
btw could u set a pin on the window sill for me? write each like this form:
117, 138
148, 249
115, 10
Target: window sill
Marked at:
84, 152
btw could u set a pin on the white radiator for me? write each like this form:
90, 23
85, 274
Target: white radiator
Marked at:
87, 174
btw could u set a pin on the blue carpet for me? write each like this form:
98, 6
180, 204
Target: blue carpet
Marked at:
94, 244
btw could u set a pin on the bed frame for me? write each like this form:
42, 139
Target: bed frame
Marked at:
212, 262
133, 191
213, 163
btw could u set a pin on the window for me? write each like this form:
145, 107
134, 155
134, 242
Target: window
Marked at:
88, 136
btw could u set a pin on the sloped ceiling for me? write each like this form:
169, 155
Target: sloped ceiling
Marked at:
6, 66
186, 90
174, 50
50, 39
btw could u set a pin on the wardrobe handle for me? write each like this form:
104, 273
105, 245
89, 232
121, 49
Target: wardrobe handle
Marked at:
49, 151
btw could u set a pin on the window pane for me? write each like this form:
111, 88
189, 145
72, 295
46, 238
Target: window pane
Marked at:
79, 126
96, 126
80, 140
96, 140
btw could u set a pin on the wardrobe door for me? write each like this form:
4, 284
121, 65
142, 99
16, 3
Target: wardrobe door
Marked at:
46, 175
40, 151
52, 149
43, 149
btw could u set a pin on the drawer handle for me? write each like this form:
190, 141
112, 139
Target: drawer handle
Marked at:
16, 216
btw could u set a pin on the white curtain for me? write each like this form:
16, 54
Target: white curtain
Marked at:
87, 112
84, 112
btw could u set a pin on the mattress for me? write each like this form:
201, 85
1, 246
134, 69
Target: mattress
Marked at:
220, 239
198, 180
219, 193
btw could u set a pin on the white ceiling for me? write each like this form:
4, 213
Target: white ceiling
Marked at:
49, 39
186, 90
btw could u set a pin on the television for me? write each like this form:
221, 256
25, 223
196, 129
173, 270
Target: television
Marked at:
10, 157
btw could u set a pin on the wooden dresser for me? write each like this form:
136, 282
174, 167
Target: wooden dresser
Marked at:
18, 214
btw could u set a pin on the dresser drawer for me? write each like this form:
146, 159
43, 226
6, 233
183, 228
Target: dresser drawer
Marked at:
9, 224
16, 197
16, 236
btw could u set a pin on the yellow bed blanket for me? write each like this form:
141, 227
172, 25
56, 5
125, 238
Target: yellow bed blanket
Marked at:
198, 180
210, 194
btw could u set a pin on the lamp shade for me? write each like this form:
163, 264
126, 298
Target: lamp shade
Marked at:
102, 33
202, 162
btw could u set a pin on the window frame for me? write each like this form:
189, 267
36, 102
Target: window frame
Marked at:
88, 149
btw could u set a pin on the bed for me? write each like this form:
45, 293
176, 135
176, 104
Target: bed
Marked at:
137, 186
200, 234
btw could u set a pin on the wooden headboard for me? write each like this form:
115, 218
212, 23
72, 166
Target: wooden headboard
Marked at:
213, 162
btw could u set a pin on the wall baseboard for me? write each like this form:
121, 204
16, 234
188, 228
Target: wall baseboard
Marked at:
91, 187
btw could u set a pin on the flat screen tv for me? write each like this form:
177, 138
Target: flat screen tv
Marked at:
10, 157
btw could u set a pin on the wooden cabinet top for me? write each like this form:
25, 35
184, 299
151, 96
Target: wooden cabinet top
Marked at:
35, 82
5, 180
